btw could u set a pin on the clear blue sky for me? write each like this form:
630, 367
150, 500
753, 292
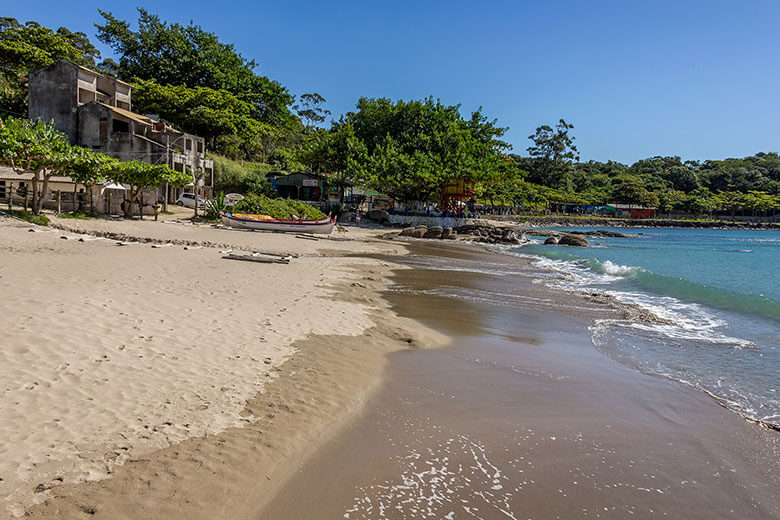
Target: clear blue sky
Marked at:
698, 79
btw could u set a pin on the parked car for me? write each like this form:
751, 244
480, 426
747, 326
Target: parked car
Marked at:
188, 199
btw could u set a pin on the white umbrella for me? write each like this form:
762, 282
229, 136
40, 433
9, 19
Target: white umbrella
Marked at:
112, 186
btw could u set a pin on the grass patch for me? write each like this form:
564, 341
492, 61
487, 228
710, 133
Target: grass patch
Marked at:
41, 220
78, 216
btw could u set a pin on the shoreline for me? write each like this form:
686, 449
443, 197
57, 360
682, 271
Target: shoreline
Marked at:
235, 472
495, 389
549, 221
310, 386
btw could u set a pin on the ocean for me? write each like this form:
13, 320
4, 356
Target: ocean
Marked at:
519, 416
714, 301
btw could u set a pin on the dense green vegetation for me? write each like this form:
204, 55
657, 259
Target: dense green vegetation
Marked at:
277, 208
36, 148
406, 149
236, 177
28, 47
410, 150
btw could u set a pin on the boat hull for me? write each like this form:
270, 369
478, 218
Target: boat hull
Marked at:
322, 226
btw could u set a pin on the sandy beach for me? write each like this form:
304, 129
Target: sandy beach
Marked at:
157, 380
114, 354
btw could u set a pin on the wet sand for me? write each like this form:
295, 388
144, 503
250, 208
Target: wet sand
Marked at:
520, 417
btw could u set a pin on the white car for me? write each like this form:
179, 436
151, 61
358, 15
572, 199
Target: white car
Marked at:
188, 199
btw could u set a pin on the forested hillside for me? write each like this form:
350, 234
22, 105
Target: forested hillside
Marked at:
407, 149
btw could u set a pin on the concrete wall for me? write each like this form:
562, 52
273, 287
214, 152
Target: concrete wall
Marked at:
410, 220
96, 123
54, 96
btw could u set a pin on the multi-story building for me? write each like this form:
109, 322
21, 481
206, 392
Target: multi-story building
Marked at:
95, 111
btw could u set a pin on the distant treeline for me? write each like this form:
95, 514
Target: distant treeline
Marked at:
407, 149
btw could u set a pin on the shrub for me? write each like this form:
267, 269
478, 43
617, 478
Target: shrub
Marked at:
41, 220
215, 205
276, 208
79, 215
256, 182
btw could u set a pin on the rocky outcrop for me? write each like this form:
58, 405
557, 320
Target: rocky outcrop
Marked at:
434, 232
406, 232
551, 241
490, 234
379, 216
419, 231
568, 239
602, 233
597, 233
449, 234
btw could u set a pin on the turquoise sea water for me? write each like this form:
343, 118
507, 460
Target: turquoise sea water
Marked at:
715, 296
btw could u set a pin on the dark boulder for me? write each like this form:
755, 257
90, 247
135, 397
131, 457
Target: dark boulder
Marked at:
406, 232
551, 241
419, 231
434, 232
379, 215
449, 234
573, 240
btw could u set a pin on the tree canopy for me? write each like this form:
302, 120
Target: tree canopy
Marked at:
174, 54
25, 47
412, 149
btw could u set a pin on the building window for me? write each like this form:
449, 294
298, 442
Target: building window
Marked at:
103, 129
119, 126
123, 105
200, 147
87, 77
2, 189
188, 144
85, 96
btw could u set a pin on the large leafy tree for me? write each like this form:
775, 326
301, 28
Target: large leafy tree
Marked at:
174, 54
35, 147
30, 46
216, 115
553, 152
413, 149
140, 175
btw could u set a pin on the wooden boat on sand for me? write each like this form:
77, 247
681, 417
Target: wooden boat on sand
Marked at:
265, 223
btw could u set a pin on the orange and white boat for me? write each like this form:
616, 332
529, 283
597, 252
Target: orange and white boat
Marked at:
266, 223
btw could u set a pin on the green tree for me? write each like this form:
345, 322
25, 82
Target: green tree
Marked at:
670, 200
27, 47
174, 54
629, 189
310, 110
141, 176
701, 202
34, 147
553, 152
213, 114
412, 149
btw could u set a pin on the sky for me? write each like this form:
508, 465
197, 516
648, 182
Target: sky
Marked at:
696, 79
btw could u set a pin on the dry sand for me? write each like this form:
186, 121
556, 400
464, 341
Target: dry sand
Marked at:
193, 382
